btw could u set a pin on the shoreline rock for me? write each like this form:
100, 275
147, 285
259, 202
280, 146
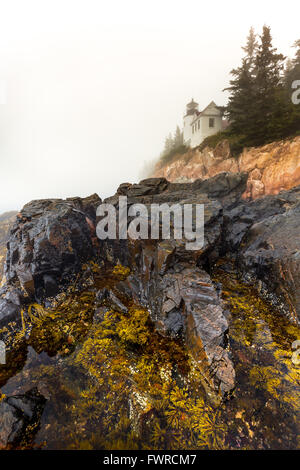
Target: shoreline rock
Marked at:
52, 239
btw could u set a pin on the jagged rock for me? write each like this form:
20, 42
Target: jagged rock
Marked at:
205, 324
271, 255
52, 238
111, 300
17, 414
116, 303
49, 242
264, 238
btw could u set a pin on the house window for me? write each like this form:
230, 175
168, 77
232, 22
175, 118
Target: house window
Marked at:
211, 122
199, 124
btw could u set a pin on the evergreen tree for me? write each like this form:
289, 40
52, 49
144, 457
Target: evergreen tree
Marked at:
168, 144
258, 108
269, 100
241, 90
173, 144
250, 48
178, 138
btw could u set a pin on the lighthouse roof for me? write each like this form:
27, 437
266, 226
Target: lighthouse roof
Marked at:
192, 104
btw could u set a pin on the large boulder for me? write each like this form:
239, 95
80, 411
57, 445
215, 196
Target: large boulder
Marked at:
49, 242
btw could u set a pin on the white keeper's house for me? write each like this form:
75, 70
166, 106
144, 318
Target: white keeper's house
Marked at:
197, 125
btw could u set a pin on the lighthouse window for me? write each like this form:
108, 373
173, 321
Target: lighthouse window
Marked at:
198, 124
211, 122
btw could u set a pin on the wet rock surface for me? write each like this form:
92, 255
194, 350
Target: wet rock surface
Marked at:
8, 312
53, 239
263, 237
165, 277
19, 415
49, 242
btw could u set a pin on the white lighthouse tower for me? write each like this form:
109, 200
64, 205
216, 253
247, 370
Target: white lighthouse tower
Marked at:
191, 113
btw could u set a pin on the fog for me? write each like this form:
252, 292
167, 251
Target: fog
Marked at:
90, 89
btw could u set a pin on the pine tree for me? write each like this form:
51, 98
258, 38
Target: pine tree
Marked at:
250, 48
169, 143
269, 101
259, 108
178, 137
241, 90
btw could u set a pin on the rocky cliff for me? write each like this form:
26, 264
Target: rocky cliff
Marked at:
271, 168
121, 306
51, 240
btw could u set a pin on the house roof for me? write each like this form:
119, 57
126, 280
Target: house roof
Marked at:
206, 112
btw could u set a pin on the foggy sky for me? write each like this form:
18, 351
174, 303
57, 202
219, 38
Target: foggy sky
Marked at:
93, 87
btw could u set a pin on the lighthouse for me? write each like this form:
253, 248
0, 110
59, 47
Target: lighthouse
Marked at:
199, 125
191, 113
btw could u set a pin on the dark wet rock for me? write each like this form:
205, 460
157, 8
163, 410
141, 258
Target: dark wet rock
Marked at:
49, 242
12, 295
205, 325
174, 323
110, 299
50, 286
146, 186
116, 303
19, 415
271, 257
11, 425
182, 300
226, 187
181, 297
9, 312
123, 290
157, 185
264, 239
52, 238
